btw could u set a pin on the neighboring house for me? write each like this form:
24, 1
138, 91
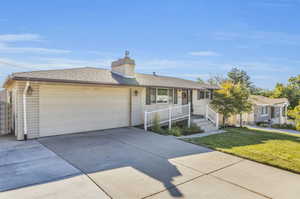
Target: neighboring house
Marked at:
3, 113
55, 102
264, 109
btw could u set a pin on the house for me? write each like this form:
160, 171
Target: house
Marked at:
264, 109
56, 102
3, 112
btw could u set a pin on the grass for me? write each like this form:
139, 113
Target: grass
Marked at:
276, 149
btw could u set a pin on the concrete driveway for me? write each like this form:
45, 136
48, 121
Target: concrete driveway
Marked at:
130, 163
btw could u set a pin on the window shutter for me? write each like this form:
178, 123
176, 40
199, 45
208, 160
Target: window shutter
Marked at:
153, 95
148, 98
171, 96
175, 96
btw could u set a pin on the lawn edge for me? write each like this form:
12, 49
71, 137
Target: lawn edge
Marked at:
245, 158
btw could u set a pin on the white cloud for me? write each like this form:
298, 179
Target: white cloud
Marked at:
7, 49
19, 37
204, 53
10, 38
50, 63
260, 36
277, 3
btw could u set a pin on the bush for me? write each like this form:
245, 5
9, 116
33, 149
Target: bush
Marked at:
156, 125
175, 131
192, 130
263, 124
283, 126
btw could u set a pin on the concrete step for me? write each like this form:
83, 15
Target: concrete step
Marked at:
205, 125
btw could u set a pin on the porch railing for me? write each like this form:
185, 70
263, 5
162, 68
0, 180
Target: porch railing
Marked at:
167, 115
212, 116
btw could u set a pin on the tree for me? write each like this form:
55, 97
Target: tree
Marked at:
295, 114
241, 103
290, 91
200, 80
260, 91
216, 80
223, 101
239, 76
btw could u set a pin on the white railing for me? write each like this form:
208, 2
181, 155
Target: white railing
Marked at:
212, 116
167, 115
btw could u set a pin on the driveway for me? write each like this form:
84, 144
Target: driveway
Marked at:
131, 163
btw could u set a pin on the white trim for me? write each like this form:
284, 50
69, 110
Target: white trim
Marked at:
167, 95
24, 108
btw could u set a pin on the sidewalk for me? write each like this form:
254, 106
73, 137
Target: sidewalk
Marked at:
202, 134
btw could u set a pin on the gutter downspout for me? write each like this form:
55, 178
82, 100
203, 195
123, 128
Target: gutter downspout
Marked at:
24, 109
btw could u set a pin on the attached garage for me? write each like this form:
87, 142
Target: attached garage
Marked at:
71, 109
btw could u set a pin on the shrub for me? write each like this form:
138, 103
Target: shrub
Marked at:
175, 131
156, 125
283, 126
262, 124
192, 130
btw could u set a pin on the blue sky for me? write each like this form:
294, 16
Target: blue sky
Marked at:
187, 39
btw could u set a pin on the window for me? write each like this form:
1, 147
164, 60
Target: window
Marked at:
264, 110
207, 94
200, 94
162, 96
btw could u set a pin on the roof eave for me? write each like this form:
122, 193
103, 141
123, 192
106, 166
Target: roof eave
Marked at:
16, 78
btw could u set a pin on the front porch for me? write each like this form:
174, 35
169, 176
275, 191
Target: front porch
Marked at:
273, 114
169, 116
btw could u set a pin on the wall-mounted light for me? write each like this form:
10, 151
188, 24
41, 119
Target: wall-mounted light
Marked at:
136, 93
29, 90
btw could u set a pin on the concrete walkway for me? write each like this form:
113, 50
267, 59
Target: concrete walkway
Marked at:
199, 135
274, 130
131, 163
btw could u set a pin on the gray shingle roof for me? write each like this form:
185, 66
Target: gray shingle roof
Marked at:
104, 76
258, 99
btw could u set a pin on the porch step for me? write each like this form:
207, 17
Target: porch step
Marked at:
205, 125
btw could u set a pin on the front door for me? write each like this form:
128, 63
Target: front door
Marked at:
184, 96
272, 112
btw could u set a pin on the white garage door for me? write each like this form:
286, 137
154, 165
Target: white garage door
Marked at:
71, 109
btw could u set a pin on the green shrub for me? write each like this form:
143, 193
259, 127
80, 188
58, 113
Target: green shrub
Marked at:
156, 125
193, 129
283, 126
175, 131
262, 124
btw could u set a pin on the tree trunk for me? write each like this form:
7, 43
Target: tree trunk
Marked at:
224, 119
241, 120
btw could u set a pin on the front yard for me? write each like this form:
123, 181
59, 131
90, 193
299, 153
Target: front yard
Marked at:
276, 149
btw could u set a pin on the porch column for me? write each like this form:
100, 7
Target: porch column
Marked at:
285, 108
280, 116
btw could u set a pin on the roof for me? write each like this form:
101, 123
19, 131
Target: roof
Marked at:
262, 100
90, 75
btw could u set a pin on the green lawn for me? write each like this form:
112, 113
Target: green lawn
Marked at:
276, 149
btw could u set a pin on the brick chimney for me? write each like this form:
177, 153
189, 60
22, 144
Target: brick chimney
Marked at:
124, 67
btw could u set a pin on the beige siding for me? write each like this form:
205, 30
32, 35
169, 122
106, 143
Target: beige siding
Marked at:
200, 105
71, 109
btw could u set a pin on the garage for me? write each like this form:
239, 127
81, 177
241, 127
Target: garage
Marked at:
72, 109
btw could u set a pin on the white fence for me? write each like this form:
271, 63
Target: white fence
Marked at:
212, 116
167, 115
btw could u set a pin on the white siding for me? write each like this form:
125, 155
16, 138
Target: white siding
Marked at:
71, 109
